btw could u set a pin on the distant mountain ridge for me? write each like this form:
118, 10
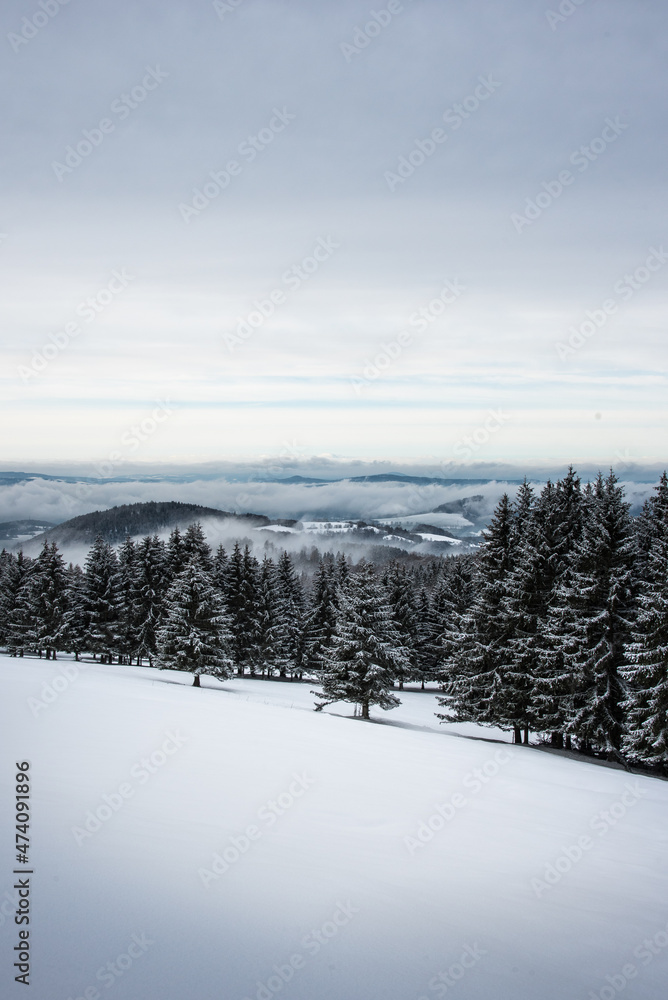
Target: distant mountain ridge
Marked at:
146, 518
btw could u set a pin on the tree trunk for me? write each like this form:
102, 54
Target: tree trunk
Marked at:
526, 735
557, 740
196, 682
517, 734
568, 741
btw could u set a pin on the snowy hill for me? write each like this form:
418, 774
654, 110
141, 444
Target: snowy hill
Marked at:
228, 843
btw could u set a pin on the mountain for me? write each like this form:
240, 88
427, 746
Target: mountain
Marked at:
139, 519
356, 538
464, 506
19, 531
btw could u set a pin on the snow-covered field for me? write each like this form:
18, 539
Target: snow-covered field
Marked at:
228, 842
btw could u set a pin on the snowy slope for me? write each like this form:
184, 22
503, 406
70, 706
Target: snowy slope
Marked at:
325, 887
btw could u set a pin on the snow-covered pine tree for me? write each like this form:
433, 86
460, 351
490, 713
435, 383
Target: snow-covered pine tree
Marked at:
129, 618
241, 600
555, 682
429, 650
176, 555
320, 619
264, 655
472, 677
528, 591
150, 585
366, 653
15, 604
47, 599
289, 614
195, 546
102, 601
75, 631
599, 617
219, 574
195, 635
451, 598
342, 569
646, 671
401, 599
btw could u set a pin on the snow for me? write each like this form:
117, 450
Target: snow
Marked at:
323, 853
457, 521
280, 528
427, 536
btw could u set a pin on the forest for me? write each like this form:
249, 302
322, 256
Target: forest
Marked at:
556, 626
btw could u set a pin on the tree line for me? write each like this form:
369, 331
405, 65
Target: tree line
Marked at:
558, 625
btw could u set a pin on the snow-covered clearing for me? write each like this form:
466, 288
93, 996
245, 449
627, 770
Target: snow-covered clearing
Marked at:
247, 847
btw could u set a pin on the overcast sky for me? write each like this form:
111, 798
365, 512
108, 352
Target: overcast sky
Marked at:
537, 206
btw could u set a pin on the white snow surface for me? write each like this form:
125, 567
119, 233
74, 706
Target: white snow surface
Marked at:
457, 521
283, 529
391, 916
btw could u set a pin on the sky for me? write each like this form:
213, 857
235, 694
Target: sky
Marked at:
415, 233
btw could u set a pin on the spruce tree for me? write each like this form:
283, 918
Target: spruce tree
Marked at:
320, 619
289, 612
599, 613
366, 652
195, 635
102, 601
528, 591
129, 618
265, 653
401, 599
195, 546
176, 554
241, 600
477, 648
75, 631
15, 604
150, 585
46, 602
556, 681
646, 670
